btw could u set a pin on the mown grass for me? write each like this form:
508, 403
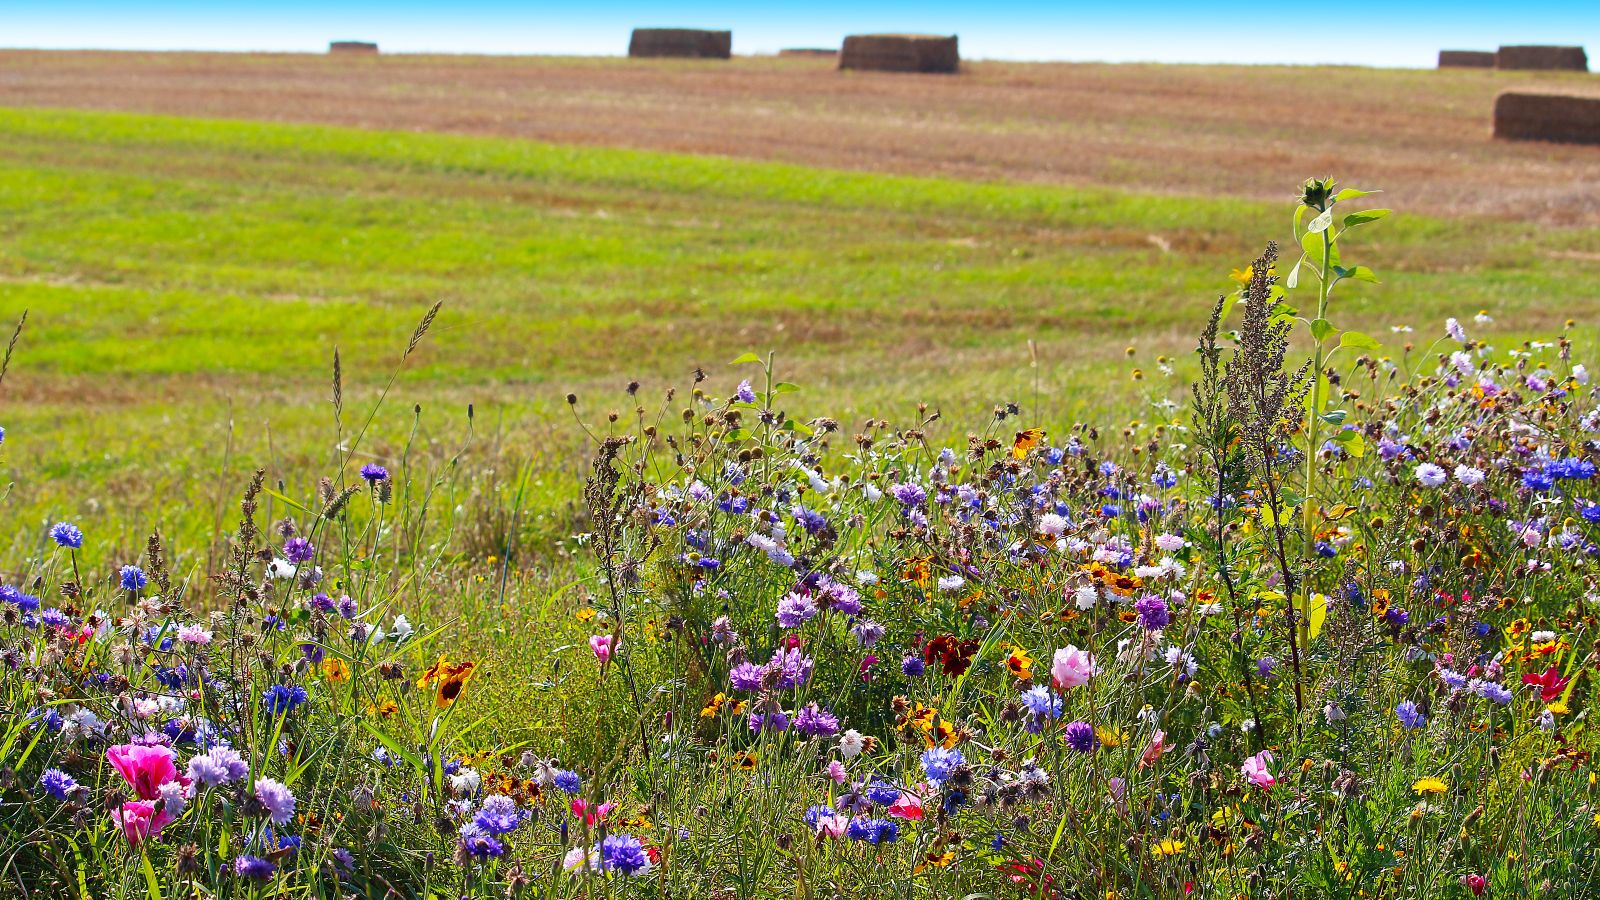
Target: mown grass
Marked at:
187, 283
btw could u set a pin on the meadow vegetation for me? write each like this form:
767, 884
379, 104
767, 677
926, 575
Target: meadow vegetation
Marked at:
1025, 567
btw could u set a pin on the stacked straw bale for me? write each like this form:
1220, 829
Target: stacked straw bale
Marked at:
1565, 118
684, 43
900, 53
1542, 58
1466, 59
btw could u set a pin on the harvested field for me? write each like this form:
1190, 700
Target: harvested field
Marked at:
1241, 130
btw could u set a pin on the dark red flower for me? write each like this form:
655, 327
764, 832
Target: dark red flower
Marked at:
952, 654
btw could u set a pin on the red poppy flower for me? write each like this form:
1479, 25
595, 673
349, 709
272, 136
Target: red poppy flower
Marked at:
1550, 683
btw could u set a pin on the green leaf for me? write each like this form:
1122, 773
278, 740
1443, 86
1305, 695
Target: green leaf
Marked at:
1334, 417
1321, 330
1351, 194
1365, 216
1352, 441
1320, 223
784, 387
1293, 280
1355, 340
747, 358
1360, 273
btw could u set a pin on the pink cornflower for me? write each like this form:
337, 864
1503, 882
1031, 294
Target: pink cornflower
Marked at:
1071, 668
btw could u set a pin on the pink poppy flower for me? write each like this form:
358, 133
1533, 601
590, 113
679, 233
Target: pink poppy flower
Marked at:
145, 769
906, 806
588, 812
140, 819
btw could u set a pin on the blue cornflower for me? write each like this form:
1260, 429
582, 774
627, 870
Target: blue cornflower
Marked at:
939, 763
374, 472
283, 698
57, 783
1042, 702
913, 666
1410, 718
815, 813
623, 853
66, 534
567, 780
873, 831
133, 578
882, 792
498, 815
479, 843
1538, 481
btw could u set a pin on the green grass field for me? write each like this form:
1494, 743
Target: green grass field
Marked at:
187, 281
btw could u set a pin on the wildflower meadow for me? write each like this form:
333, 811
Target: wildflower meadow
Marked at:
1312, 616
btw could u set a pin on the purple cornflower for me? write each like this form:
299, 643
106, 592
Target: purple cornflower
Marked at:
217, 766
776, 720
1153, 614
868, 632
298, 550
1410, 718
1080, 737
57, 783
1265, 665
939, 763
745, 677
66, 534
276, 799
374, 472
815, 721
795, 609
792, 668
623, 853
133, 578
1493, 691
909, 494
347, 607
254, 867
913, 666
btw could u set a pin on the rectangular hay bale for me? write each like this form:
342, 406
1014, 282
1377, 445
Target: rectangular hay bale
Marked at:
1466, 59
1542, 58
1547, 116
901, 53
353, 47
682, 43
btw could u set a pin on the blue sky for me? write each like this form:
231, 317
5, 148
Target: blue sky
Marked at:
1356, 31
